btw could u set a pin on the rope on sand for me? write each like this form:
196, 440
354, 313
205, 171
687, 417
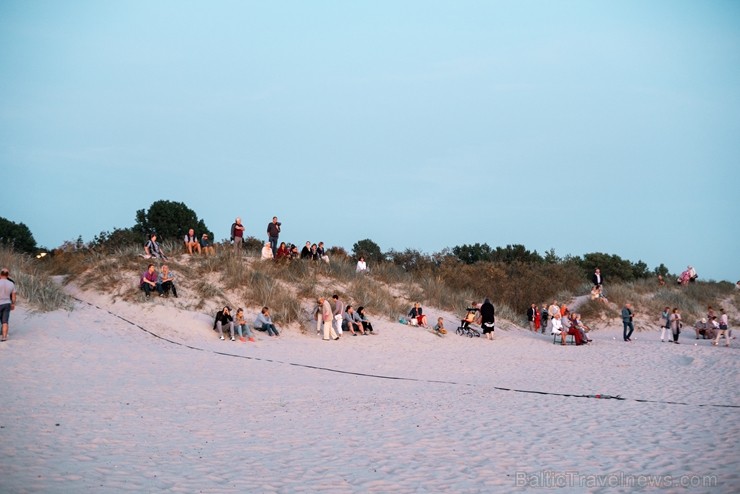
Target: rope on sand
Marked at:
395, 378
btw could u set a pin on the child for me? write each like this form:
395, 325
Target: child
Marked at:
440, 326
241, 324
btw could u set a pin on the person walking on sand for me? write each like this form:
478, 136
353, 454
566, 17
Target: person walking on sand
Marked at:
487, 318
327, 316
676, 324
723, 329
627, 321
7, 300
338, 311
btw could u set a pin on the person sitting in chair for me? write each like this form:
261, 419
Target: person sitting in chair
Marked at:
470, 316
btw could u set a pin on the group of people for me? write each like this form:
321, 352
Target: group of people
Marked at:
560, 321
711, 327
163, 282
238, 324
193, 244
287, 252
484, 315
336, 318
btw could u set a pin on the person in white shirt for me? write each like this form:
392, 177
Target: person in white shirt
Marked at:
361, 265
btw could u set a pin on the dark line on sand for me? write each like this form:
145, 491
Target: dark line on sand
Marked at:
398, 378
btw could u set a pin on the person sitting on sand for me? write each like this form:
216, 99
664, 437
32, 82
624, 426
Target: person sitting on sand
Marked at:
306, 250
598, 294
267, 252
223, 318
351, 322
167, 281
440, 326
366, 325
152, 248
361, 265
206, 246
700, 328
416, 314
264, 322
242, 327
150, 281
283, 252
191, 242
321, 251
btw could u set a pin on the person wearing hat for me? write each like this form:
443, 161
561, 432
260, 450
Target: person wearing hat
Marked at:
701, 328
205, 245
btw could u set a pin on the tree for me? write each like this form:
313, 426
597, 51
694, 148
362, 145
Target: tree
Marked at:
17, 236
661, 270
515, 253
169, 220
470, 254
410, 260
369, 250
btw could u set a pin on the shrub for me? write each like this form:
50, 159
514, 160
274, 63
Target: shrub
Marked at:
32, 283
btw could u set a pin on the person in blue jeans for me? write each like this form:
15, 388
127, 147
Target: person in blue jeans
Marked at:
627, 316
264, 322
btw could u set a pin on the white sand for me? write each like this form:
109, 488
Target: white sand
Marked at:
91, 403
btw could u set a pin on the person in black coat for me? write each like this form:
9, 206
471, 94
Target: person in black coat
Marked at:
531, 316
597, 279
487, 314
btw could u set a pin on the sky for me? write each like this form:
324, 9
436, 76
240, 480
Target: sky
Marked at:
578, 126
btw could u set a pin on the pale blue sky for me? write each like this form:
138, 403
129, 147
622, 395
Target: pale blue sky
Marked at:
583, 126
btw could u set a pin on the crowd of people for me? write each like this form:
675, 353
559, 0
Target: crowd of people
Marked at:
556, 319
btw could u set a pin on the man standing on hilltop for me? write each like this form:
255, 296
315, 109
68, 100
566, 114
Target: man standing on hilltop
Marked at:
7, 300
273, 232
597, 279
237, 234
627, 316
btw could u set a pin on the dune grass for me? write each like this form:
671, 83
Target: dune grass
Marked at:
33, 283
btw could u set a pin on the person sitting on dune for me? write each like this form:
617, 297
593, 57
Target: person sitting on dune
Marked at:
351, 321
264, 322
366, 324
440, 326
223, 318
283, 252
152, 248
267, 252
416, 314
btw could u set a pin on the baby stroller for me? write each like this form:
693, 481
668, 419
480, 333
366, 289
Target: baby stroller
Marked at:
465, 328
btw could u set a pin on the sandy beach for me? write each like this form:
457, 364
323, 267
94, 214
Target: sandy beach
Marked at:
121, 397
